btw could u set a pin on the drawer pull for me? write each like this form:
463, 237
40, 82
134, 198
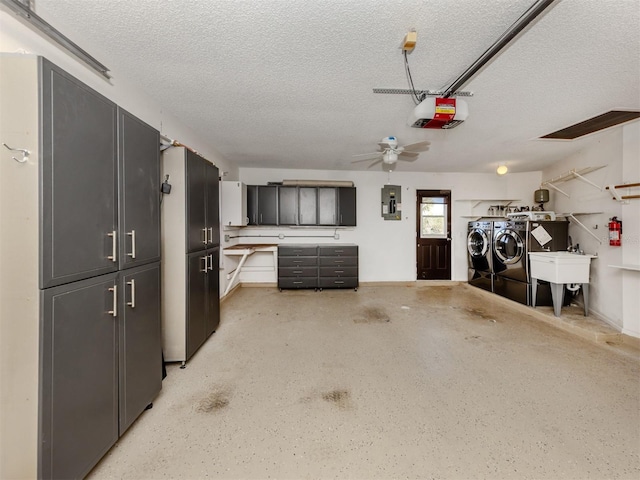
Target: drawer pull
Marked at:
338, 261
297, 283
297, 271
339, 271
338, 282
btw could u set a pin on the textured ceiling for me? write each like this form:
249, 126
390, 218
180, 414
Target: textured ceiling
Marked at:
288, 84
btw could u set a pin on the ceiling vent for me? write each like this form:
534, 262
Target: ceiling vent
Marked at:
595, 124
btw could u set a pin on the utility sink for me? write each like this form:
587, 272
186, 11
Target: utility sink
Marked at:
560, 268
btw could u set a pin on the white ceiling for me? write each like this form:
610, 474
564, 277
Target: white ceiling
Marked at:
288, 84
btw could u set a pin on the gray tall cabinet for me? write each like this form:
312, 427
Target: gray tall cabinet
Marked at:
191, 253
80, 319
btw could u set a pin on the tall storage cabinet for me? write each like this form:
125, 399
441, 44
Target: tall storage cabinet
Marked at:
80, 342
190, 259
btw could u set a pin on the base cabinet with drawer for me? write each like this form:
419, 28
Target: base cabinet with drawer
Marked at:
317, 266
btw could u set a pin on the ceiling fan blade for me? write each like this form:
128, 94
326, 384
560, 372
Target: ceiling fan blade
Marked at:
372, 154
417, 147
408, 155
375, 163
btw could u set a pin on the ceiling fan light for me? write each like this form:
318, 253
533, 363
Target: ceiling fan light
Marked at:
502, 169
389, 157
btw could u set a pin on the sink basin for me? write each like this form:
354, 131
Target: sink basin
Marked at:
560, 267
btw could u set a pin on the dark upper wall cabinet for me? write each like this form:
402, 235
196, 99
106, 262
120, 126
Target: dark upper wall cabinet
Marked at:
347, 206
307, 206
290, 205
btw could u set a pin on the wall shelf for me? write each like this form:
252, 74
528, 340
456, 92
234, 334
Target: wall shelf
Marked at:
622, 198
627, 266
504, 202
570, 175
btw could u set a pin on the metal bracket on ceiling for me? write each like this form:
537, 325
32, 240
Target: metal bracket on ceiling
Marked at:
24, 10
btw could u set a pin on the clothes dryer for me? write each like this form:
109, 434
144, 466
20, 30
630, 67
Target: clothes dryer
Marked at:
510, 260
479, 253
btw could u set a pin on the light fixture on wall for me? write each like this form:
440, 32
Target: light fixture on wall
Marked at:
502, 169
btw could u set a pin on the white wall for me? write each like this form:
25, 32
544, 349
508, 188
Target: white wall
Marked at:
387, 249
614, 293
15, 37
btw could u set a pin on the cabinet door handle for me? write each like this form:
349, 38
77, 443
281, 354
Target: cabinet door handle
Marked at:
204, 230
132, 234
205, 258
211, 262
132, 303
260, 218
114, 246
114, 312
210, 235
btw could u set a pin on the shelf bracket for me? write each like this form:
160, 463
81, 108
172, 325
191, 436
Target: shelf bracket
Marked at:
556, 188
586, 180
570, 215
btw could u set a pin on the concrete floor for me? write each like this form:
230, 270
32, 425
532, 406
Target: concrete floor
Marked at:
388, 382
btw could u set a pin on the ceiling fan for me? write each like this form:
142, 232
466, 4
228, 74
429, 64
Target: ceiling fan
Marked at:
389, 152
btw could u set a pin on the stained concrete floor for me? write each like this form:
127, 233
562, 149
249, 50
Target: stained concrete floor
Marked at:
433, 382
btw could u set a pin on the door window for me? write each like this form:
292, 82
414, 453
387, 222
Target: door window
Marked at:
433, 218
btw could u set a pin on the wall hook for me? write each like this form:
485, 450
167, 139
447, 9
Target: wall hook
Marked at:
25, 153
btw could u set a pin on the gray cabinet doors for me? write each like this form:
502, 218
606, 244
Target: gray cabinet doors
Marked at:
140, 337
203, 298
139, 185
307, 206
287, 206
79, 180
196, 189
347, 206
203, 216
79, 370
267, 205
327, 205
198, 264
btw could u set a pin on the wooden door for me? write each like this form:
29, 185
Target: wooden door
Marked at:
433, 232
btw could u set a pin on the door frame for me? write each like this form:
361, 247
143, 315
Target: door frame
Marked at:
421, 193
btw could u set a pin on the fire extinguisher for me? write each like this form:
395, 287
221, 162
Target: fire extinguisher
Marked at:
615, 232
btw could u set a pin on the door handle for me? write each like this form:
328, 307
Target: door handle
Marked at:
132, 234
211, 262
204, 230
114, 246
205, 258
114, 312
210, 235
132, 303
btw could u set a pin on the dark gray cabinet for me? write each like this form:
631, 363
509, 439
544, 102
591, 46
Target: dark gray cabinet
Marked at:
203, 225
318, 266
139, 184
101, 365
297, 266
79, 376
327, 206
338, 266
287, 206
79, 180
94, 208
347, 206
191, 258
308, 206
203, 298
140, 341
262, 204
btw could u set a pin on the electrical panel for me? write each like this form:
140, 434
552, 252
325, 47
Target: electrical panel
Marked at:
392, 202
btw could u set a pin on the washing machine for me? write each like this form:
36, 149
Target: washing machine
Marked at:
479, 246
512, 242
510, 260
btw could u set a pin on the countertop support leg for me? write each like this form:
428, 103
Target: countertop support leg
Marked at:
557, 289
236, 273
